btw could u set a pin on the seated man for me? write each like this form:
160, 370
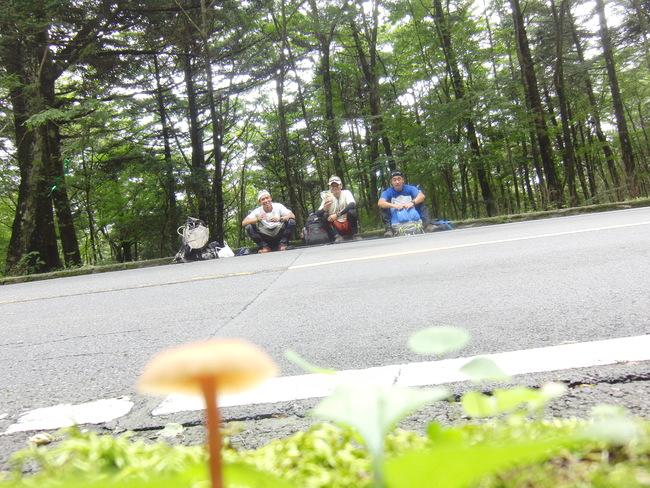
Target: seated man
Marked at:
270, 225
338, 208
400, 196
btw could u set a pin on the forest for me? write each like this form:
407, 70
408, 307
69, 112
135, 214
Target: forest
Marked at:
120, 118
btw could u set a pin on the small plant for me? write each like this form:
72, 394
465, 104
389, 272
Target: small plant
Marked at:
329, 456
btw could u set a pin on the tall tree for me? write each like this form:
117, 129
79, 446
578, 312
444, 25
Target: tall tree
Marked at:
554, 193
35, 55
627, 154
443, 26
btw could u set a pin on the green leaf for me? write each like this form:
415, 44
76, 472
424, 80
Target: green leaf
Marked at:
298, 360
244, 476
372, 411
477, 404
455, 466
484, 369
172, 429
438, 340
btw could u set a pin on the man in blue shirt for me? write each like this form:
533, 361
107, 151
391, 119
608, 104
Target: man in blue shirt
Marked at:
399, 196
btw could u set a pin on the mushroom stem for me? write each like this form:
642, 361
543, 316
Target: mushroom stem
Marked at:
209, 387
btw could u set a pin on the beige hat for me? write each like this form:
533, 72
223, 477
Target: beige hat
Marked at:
334, 179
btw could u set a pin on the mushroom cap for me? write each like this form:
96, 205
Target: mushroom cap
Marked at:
234, 365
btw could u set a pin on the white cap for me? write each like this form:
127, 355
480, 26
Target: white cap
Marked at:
261, 194
334, 179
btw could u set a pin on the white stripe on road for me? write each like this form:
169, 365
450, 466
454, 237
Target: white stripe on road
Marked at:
52, 418
554, 358
290, 388
463, 246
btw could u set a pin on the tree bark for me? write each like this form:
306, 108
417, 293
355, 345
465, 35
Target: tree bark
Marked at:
443, 27
198, 184
558, 78
594, 109
33, 244
172, 220
554, 195
627, 155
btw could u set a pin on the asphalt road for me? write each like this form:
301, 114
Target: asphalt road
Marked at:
348, 306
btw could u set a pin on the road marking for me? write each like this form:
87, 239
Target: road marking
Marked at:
59, 416
312, 265
540, 360
462, 246
301, 387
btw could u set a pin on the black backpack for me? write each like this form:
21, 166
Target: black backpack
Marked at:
315, 230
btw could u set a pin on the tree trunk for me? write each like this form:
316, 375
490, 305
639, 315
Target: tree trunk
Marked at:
619, 111
558, 78
172, 220
198, 181
282, 116
33, 244
442, 25
594, 108
535, 104
369, 69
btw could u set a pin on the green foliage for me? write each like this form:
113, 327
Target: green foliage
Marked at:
373, 411
498, 453
478, 404
368, 450
438, 340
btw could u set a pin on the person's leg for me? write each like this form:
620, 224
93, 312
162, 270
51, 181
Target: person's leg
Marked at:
286, 233
341, 229
423, 210
254, 233
385, 217
332, 231
353, 218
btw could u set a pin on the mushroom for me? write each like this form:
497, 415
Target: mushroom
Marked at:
207, 368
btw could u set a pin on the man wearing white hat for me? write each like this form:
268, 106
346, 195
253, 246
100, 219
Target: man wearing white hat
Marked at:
338, 208
270, 225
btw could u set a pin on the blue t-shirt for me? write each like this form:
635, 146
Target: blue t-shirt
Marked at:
393, 196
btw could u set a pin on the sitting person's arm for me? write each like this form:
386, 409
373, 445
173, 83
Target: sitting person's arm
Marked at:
347, 208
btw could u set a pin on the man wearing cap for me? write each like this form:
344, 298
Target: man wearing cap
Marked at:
338, 208
270, 225
399, 196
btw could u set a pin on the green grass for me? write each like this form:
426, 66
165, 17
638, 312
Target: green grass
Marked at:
333, 457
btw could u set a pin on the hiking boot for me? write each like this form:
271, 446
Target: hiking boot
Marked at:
389, 233
431, 228
338, 239
285, 247
357, 238
263, 250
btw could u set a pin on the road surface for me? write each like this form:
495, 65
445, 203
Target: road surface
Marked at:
564, 299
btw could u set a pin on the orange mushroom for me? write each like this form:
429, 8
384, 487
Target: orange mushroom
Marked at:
209, 368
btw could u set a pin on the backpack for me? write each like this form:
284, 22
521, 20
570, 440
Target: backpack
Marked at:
315, 230
195, 245
404, 215
195, 233
442, 225
408, 228
406, 222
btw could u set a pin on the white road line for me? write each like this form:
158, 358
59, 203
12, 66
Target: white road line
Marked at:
545, 359
463, 246
291, 388
59, 416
